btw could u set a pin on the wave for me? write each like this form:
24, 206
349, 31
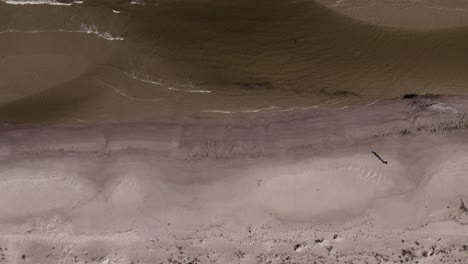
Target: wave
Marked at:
273, 109
137, 2
266, 109
84, 29
92, 29
189, 90
119, 92
40, 2
164, 85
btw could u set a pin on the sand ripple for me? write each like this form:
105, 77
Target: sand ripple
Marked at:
132, 183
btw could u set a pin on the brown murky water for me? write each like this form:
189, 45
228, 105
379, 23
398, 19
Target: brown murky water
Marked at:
112, 60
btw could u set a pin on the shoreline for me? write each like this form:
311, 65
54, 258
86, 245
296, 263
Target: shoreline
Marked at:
406, 14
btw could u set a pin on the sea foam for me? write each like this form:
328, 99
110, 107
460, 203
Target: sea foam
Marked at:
40, 2
84, 29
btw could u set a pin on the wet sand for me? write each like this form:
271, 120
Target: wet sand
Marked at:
421, 15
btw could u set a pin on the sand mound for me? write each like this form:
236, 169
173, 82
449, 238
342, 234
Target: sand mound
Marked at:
29, 191
448, 180
328, 187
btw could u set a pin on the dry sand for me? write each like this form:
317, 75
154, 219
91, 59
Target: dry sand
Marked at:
291, 187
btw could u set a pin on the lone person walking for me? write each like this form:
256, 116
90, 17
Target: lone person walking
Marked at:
377, 155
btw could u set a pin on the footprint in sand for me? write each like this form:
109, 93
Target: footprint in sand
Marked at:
131, 184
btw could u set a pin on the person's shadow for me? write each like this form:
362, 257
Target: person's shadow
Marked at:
377, 155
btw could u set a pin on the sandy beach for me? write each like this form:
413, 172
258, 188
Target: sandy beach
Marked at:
249, 132
298, 187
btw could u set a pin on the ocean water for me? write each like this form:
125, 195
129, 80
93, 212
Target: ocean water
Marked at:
89, 61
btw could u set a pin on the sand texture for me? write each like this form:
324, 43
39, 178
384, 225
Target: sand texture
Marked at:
242, 191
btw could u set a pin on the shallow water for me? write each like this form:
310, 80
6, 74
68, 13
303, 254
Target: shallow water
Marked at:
112, 60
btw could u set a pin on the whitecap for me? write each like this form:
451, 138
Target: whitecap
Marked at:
92, 29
